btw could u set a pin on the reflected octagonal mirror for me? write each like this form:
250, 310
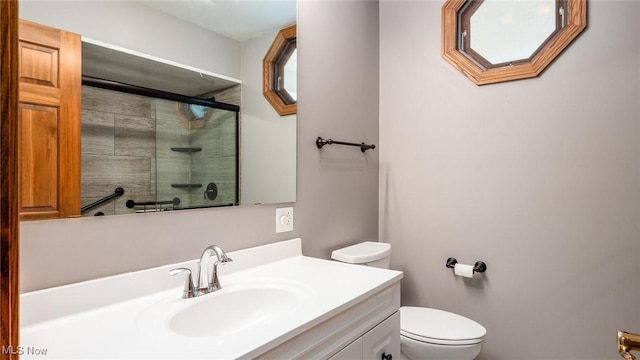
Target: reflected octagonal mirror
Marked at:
493, 41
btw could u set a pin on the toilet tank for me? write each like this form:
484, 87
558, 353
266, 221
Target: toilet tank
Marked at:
368, 253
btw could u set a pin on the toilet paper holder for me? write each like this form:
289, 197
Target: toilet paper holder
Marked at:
479, 266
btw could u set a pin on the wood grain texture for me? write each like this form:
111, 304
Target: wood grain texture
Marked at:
9, 239
268, 72
71, 126
49, 122
38, 155
576, 22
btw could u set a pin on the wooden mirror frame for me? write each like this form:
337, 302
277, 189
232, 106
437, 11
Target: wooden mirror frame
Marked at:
268, 71
576, 22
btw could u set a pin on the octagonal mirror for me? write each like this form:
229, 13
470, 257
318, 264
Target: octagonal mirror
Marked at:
494, 41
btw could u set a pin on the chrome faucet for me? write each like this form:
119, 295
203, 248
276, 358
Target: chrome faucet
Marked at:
206, 281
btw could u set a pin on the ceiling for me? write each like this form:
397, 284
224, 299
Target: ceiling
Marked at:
106, 63
237, 19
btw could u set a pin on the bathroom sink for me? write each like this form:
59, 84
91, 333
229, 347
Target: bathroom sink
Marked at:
274, 303
228, 312
236, 308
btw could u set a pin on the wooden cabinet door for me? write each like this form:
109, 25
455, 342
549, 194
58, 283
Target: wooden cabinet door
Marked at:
49, 122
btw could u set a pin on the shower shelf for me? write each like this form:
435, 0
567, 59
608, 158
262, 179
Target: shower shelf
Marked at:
186, 186
186, 149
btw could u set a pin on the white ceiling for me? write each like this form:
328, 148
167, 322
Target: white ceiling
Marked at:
237, 19
106, 63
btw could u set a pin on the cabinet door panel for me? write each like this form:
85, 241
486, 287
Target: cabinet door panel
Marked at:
38, 65
352, 351
38, 149
49, 122
384, 339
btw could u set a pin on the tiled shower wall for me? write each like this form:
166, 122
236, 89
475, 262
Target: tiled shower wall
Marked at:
127, 140
118, 148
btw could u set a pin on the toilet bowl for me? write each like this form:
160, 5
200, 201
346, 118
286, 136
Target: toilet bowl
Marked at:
436, 334
425, 333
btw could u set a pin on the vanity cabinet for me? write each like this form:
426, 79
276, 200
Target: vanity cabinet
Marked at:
383, 341
49, 122
352, 351
380, 343
311, 309
365, 330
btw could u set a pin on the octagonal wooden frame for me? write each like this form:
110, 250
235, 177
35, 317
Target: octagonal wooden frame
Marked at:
576, 22
277, 47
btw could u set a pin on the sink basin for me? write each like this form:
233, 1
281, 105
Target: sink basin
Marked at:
228, 312
236, 308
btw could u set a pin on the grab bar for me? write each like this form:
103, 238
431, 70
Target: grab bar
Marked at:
131, 203
118, 192
320, 142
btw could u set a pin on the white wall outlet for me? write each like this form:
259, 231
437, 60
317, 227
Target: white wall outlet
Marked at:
284, 219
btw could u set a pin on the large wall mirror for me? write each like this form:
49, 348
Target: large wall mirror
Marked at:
147, 153
493, 41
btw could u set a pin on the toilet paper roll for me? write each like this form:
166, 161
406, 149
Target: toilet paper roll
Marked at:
463, 270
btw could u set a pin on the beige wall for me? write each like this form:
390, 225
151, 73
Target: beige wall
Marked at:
543, 186
337, 187
539, 178
264, 134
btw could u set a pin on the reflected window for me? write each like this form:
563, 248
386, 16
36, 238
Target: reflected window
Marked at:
280, 72
286, 74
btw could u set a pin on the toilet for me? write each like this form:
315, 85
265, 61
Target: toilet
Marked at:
425, 334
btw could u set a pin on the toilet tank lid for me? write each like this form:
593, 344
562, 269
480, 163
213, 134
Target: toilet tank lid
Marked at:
363, 252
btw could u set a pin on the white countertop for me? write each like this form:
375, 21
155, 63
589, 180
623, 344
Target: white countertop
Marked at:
119, 317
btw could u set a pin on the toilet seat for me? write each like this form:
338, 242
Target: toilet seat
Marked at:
439, 327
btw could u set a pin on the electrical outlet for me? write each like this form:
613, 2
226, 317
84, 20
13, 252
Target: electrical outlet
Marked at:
284, 219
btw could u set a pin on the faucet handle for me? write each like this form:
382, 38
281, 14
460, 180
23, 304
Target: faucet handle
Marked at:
189, 288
